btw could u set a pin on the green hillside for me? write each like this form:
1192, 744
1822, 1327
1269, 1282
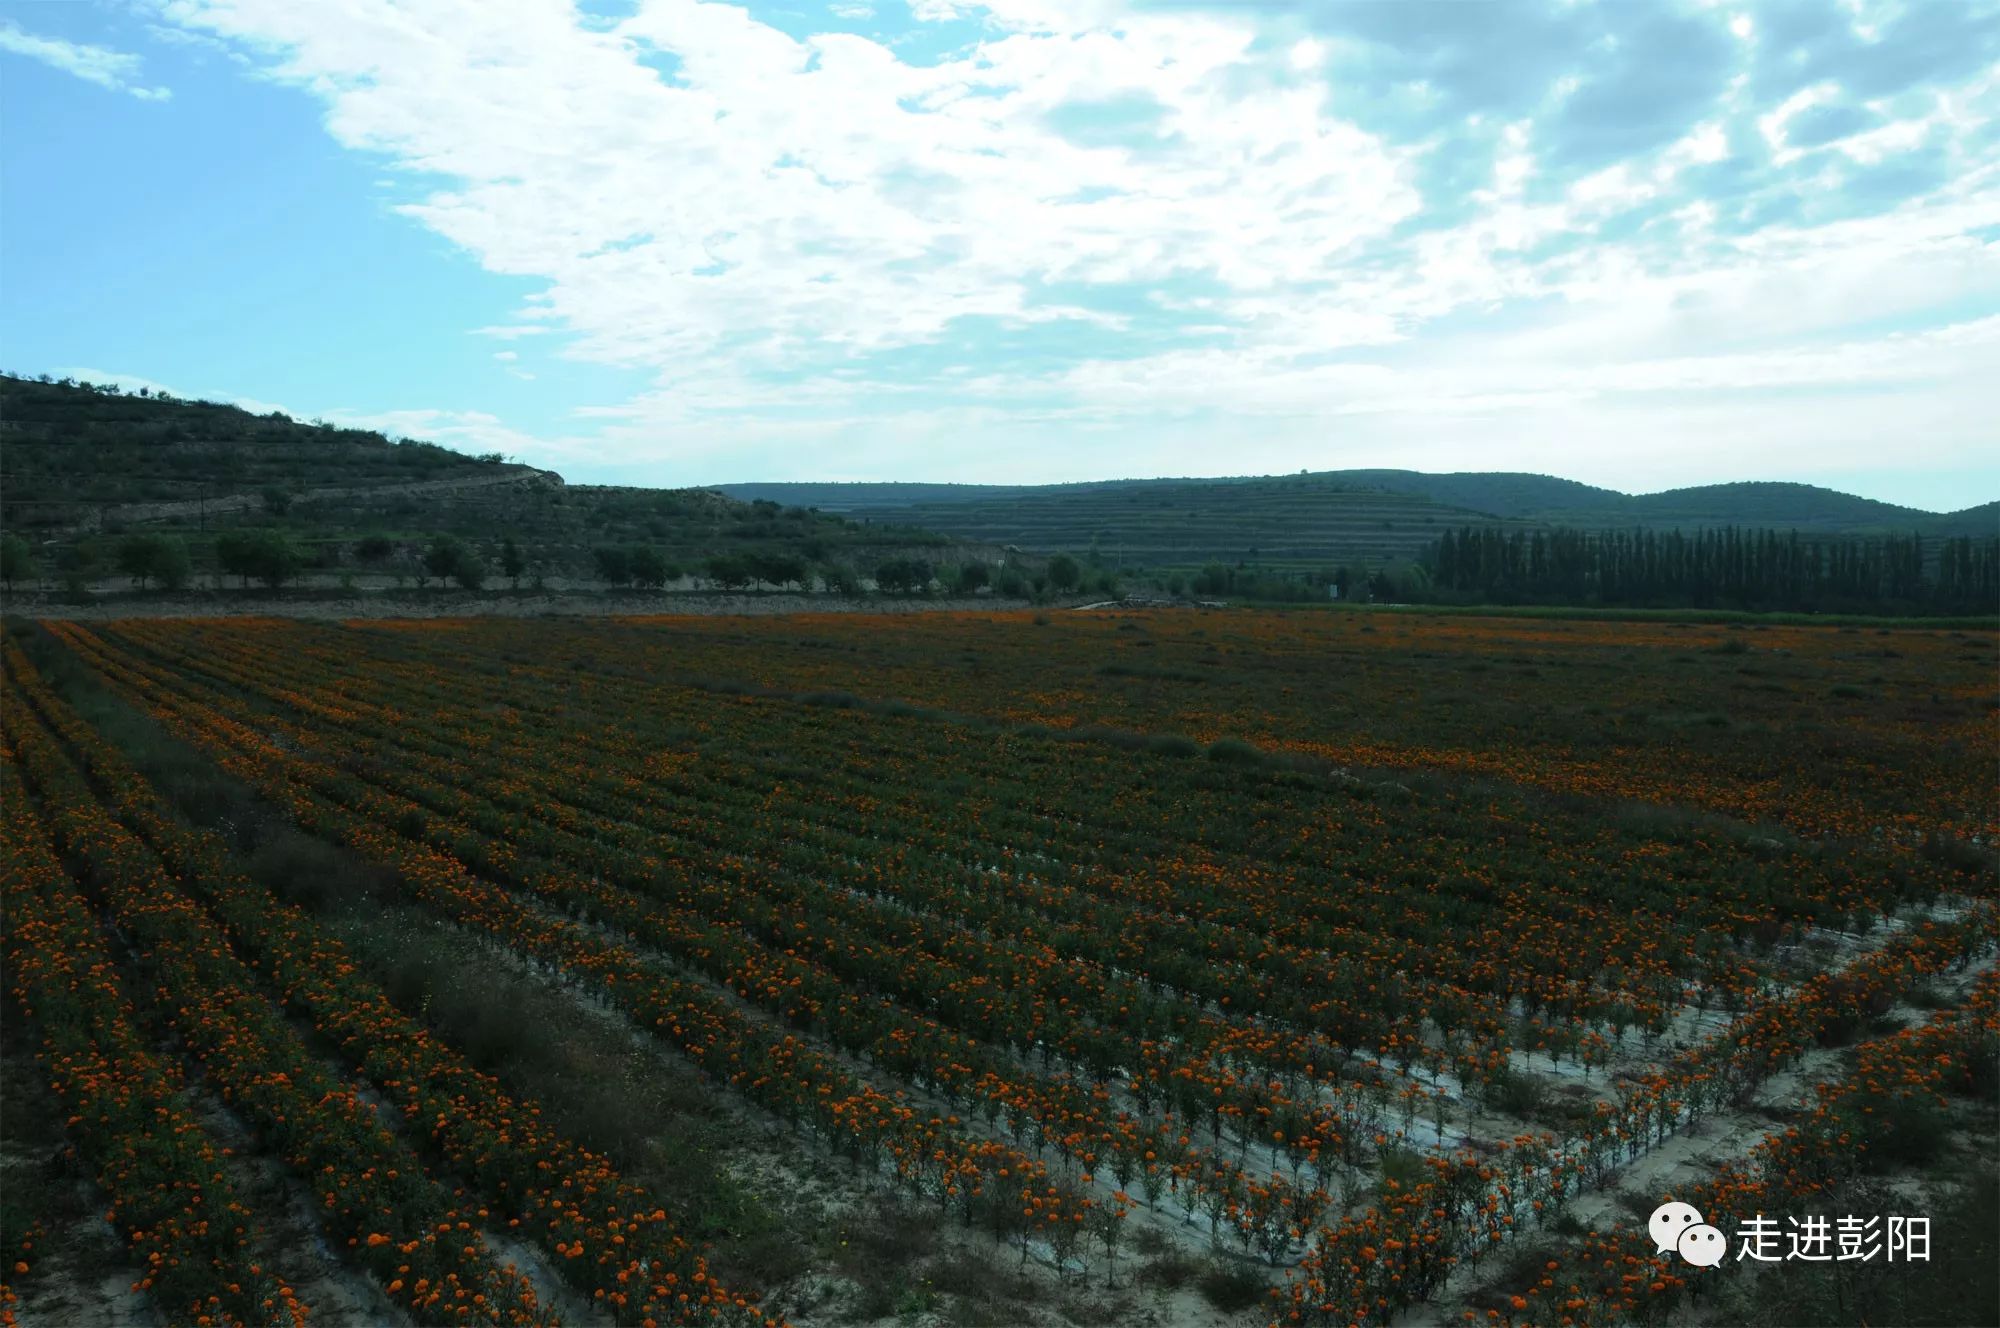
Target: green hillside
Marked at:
1346, 515
83, 469
1291, 523
1983, 520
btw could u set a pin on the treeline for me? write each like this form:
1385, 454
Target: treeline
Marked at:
1727, 567
272, 558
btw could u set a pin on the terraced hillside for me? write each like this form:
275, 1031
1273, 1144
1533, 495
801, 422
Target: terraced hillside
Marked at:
1339, 515
83, 469
73, 457
1294, 522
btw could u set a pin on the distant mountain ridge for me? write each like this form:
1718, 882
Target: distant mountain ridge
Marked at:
1315, 520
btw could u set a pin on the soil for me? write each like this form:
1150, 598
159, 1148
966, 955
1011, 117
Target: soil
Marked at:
463, 604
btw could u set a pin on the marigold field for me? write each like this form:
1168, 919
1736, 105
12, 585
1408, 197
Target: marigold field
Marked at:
1099, 967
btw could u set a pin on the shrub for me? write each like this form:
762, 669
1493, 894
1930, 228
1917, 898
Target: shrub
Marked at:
1064, 574
17, 561
1235, 751
1232, 1288
1514, 1092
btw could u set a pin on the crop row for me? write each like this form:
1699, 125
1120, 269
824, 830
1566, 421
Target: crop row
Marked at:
608, 1236
372, 1192
1080, 1123
163, 1173
778, 1069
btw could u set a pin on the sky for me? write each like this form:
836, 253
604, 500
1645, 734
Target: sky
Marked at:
1638, 243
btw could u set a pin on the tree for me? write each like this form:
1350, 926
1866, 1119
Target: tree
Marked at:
264, 554
839, 579
154, 558
1064, 574
613, 564
448, 558
235, 555
778, 569
972, 578
512, 564
276, 501
171, 565
906, 574
17, 560
728, 571
277, 558
373, 548
442, 556
469, 569
136, 554
648, 568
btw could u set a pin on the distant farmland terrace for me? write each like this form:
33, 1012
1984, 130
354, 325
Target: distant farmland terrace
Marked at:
1292, 522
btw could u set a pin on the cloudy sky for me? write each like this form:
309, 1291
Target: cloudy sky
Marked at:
1633, 242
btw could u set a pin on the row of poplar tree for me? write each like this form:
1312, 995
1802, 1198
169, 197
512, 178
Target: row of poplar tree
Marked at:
1725, 567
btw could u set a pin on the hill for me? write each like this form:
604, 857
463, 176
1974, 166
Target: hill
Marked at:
82, 467
1285, 523
1368, 515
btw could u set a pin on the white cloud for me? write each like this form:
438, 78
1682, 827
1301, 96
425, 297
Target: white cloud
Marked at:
513, 332
848, 10
132, 383
106, 68
464, 430
755, 227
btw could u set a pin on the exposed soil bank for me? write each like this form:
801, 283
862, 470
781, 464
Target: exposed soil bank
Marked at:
462, 605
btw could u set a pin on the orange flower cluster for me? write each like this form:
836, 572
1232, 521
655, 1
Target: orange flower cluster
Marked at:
360, 1173
160, 1168
561, 1195
1070, 956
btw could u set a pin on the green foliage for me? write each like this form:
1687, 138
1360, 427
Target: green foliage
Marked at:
1064, 575
1232, 1287
729, 571
776, 568
1725, 566
512, 564
907, 575
266, 556
1514, 1091
157, 558
1234, 751
17, 561
449, 559
613, 564
840, 579
648, 568
468, 570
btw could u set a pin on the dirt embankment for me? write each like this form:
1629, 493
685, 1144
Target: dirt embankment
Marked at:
462, 605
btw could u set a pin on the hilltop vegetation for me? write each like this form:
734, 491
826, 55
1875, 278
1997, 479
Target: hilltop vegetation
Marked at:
1290, 523
76, 455
102, 488
1338, 514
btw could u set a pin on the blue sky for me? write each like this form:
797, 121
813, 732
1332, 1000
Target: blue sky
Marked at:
1633, 242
